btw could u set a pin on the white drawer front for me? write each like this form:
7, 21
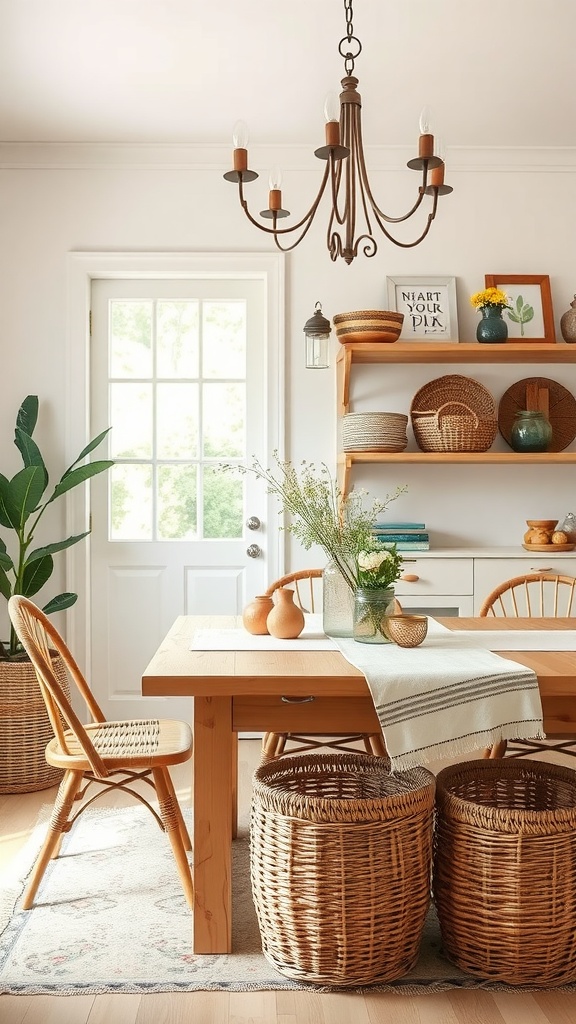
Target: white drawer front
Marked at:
436, 576
443, 606
490, 572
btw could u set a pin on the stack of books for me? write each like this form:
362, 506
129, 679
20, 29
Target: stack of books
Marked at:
406, 536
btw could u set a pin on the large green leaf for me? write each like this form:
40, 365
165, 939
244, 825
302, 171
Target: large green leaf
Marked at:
5, 584
59, 603
20, 496
79, 475
89, 448
36, 575
4, 491
5, 560
51, 549
30, 452
28, 415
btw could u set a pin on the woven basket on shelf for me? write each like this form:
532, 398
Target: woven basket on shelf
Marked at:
25, 728
453, 414
505, 870
374, 431
336, 904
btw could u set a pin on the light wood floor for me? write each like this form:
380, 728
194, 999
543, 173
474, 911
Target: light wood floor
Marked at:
17, 817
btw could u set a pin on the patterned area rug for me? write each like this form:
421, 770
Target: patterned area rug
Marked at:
111, 917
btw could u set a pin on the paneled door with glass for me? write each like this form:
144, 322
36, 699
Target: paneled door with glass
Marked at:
179, 370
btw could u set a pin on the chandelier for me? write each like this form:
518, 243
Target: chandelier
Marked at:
345, 174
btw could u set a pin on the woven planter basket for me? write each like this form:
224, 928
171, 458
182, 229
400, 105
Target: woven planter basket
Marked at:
25, 728
340, 858
453, 414
505, 870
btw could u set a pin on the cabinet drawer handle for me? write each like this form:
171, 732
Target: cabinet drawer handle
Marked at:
297, 700
540, 568
410, 577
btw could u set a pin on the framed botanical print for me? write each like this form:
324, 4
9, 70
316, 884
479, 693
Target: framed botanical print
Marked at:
529, 316
429, 307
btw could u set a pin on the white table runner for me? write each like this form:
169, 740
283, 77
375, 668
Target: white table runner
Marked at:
447, 697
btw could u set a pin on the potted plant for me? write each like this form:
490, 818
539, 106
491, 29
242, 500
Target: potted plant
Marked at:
25, 569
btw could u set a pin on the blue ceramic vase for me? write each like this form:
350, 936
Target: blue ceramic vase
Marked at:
491, 328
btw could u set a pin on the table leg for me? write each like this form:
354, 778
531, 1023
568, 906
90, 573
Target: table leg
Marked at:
212, 811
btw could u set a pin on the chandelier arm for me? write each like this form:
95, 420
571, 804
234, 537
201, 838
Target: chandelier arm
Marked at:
306, 219
288, 248
365, 183
335, 180
410, 245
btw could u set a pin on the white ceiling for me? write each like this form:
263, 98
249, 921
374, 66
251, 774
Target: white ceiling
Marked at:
496, 73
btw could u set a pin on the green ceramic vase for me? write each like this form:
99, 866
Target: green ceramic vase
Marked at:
531, 432
491, 328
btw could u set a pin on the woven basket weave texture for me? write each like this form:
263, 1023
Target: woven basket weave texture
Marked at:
25, 728
453, 414
340, 863
374, 431
505, 870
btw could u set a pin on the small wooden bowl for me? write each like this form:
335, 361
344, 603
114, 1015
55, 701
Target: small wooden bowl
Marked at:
406, 630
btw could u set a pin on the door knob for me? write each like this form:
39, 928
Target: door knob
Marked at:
253, 551
253, 523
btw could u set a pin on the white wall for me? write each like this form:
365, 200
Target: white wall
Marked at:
511, 212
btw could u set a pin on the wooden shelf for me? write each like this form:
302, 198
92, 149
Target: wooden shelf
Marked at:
456, 352
348, 459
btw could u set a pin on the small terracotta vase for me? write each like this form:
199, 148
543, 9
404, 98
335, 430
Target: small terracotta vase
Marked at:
255, 614
286, 620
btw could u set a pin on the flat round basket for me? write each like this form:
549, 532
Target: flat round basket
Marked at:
505, 870
335, 902
453, 414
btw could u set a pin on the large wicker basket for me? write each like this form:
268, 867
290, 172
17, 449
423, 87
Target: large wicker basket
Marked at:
505, 870
25, 728
453, 414
340, 864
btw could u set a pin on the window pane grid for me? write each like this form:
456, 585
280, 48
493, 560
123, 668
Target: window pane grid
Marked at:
176, 423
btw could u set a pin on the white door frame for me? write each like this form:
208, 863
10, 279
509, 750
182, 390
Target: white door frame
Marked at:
83, 268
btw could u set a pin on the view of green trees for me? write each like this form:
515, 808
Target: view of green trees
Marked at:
178, 409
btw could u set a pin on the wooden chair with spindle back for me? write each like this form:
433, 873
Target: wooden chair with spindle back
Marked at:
533, 595
114, 755
306, 584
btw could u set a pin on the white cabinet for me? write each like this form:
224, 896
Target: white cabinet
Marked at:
489, 572
438, 586
457, 581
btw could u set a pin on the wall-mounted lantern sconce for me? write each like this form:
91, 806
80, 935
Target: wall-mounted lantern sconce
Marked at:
317, 334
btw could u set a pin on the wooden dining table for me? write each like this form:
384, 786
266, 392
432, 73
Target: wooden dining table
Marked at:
293, 690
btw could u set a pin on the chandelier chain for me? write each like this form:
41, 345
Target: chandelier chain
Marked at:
350, 40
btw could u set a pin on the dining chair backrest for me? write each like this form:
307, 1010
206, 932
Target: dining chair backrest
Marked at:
539, 594
307, 587
40, 639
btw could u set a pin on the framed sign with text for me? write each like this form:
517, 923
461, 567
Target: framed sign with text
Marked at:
429, 307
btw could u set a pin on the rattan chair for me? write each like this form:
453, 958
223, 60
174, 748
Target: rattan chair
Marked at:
540, 594
114, 755
306, 584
